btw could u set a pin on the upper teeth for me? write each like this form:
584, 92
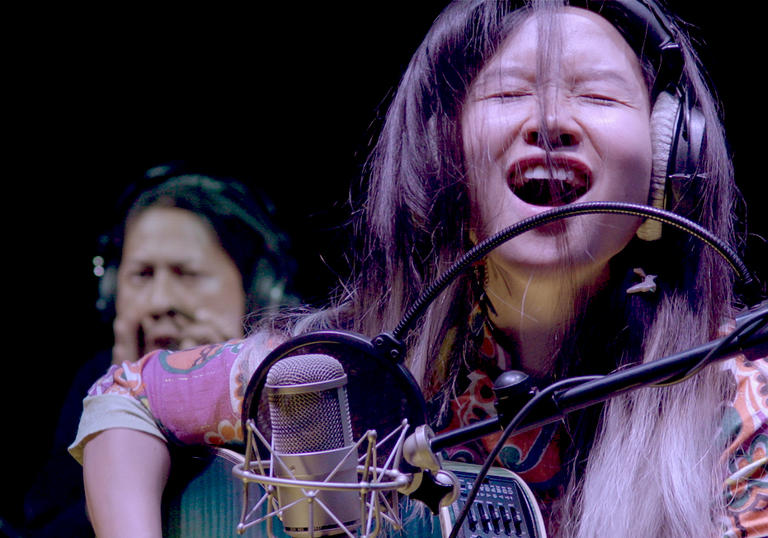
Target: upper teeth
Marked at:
540, 172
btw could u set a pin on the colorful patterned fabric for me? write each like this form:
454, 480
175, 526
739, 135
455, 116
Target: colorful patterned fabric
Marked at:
537, 455
534, 455
195, 397
746, 422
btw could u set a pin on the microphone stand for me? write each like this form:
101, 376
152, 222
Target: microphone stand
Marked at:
551, 404
750, 338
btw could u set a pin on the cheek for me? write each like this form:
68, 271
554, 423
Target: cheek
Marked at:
629, 158
476, 156
232, 300
223, 294
488, 131
486, 138
637, 174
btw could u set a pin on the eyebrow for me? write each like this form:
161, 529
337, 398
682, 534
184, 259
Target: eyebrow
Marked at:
608, 75
506, 72
586, 74
147, 262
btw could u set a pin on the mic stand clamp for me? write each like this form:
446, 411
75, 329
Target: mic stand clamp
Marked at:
417, 450
434, 486
436, 490
512, 389
389, 346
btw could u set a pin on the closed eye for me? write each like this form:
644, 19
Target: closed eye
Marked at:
509, 95
599, 99
185, 272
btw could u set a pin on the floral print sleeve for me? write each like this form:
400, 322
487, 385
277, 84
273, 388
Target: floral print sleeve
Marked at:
746, 423
193, 396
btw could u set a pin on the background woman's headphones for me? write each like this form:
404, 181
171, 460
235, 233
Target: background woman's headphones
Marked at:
243, 221
678, 127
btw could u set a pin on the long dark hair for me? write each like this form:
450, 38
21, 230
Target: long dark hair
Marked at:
414, 223
242, 219
415, 218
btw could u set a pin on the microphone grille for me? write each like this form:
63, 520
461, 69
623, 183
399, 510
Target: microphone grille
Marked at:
309, 420
304, 369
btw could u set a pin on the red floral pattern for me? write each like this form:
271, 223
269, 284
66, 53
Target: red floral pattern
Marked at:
746, 489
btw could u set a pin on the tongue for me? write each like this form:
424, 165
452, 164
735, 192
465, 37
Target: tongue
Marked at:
547, 193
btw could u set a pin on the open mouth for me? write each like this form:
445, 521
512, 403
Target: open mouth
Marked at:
549, 186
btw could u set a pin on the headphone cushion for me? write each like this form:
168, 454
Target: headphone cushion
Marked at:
663, 125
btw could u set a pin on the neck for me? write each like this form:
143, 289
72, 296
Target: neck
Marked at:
534, 309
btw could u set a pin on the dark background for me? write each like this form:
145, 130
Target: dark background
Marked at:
285, 97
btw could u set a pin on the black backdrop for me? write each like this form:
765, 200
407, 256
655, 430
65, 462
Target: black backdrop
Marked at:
285, 97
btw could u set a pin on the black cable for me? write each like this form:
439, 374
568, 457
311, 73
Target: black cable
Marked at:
504, 436
622, 208
743, 331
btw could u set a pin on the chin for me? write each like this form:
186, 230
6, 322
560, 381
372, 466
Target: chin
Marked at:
558, 249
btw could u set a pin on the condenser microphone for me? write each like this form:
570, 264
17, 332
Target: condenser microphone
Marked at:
312, 436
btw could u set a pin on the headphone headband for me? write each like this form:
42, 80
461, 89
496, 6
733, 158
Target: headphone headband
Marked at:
653, 36
650, 33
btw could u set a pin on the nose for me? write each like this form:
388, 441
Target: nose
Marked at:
552, 126
162, 295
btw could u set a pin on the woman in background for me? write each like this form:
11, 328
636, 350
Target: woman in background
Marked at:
190, 256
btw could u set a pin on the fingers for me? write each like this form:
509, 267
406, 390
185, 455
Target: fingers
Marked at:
210, 327
181, 330
127, 345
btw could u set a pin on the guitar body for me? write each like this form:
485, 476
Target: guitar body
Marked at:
205, 500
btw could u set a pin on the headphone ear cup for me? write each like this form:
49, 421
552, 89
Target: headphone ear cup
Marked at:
664, 127
685, 175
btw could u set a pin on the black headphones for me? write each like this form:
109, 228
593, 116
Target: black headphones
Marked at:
678, 126
264, 262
